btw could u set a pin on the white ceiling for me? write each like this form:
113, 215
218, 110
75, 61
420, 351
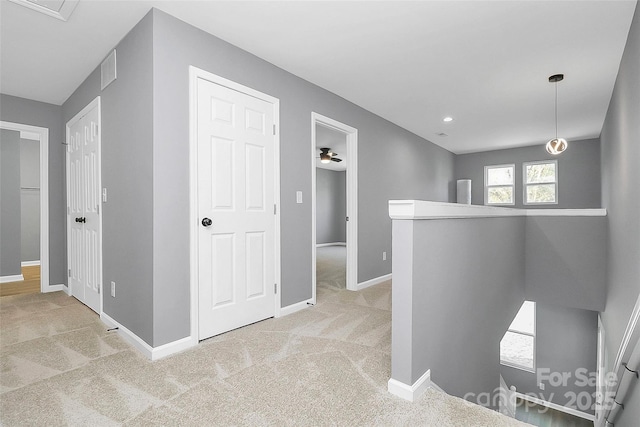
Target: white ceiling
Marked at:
485, 63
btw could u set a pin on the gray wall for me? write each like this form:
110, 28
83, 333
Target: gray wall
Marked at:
331, 206
9, 203
566, 261
578, 172
414, 168
24, 111
127, 174
566, 341
30, 199
620, 143
453, 299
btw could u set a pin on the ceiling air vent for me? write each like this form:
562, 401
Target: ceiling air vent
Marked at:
108, 70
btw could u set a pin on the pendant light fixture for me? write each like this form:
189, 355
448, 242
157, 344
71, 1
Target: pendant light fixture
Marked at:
556, 145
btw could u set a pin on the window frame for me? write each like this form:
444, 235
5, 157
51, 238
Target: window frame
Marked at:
487, 186
525, 185
528, 334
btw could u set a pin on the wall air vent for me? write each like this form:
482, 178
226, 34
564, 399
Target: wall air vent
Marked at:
441, 134
108, 71
59, 9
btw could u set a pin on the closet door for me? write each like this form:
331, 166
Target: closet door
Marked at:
83, 207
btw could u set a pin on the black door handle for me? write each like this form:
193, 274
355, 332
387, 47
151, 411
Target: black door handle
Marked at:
81, 219
206, 222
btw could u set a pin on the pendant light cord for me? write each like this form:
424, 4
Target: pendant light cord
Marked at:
556, 84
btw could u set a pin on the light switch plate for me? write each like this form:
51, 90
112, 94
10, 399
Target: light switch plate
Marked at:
298, 196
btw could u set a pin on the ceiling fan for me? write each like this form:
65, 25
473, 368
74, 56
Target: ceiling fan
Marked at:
327, 156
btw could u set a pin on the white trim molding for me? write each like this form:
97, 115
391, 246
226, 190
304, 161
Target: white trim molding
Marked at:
30, 263
551, 405
411, 392
421, 209
152, 353
13, 278
323, 245
294, 308
374, 281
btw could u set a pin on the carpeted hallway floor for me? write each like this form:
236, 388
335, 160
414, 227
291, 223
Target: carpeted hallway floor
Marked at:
326, 365
331, 267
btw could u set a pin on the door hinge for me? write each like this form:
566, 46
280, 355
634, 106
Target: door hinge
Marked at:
275, 288
98, 209
274, 209
99, 287
274, 129
347, 218
68, 210
69, 272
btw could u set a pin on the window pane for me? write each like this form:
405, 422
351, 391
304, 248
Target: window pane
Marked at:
541, 193
525, 319
500, 195
500, 176
517, 349
542, 172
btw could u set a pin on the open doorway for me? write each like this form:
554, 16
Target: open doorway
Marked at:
334, 204
24, 224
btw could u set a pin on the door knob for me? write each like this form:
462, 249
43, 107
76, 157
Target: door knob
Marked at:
81, 219
206, 222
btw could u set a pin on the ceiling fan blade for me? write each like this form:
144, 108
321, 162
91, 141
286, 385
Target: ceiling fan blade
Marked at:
335, 159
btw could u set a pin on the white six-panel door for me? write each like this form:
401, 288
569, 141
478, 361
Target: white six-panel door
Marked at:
236, 182
83, 207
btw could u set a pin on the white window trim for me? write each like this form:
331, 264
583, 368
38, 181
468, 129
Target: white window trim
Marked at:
513, 186
535, 327
525, 185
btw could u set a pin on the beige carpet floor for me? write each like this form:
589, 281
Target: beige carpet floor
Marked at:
331, 267
324, 366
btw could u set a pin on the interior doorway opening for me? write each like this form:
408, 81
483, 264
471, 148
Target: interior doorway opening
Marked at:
32, 191
334, 204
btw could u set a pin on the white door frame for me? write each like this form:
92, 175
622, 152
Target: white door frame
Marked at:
351, 135
194, 75
93, 104
43, 135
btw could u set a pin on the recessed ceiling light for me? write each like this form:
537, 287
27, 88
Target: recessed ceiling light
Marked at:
448, 119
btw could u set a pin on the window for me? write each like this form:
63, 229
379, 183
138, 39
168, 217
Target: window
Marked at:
517, 348
541, 182
499, 184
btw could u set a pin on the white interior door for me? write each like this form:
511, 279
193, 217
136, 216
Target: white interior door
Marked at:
83, 207
236, 182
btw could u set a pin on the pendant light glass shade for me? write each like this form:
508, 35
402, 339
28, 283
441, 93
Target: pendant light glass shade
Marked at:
556, 145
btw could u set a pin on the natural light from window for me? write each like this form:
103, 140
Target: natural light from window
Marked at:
540, 182
517, 347
499, 185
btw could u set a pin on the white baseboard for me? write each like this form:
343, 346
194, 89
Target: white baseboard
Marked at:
322, 245
30, 263
56, 288
293, 308
410, 392
152, 353
570, 411
66, 289
374, 281
14, 278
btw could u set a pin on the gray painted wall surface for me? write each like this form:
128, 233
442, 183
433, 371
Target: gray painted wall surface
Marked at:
578, 172
566, 261
621, 196
566, 341
30, 199
414, 168
9, 203
28, 112
127, 174
331, 206
462, 299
